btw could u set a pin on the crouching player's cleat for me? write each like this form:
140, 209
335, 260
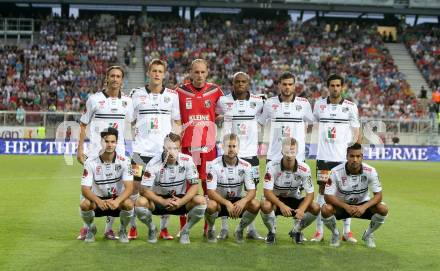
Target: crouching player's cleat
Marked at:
317, 237
133, 234
334, 242
210, 237
297, 237
90, 234
123, 236
82, 234
270, 239
152, 232
110, 235
254, 235
184, 238
348, 237
165, 235
223, 235
369, 240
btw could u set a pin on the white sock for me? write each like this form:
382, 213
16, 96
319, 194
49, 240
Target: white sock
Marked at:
330, 223
125, 217
109, 223
225, 224
376, 221
88, 217
246, 219
194, 216
210, 219
305, 222
164, 221
269, 221
145, 216
347, 224
319, 224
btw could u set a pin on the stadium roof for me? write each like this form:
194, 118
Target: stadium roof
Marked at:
415, 7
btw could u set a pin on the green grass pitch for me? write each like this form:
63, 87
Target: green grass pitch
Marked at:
39, 221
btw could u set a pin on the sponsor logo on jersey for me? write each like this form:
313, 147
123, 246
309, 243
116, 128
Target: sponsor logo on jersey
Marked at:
166, 99
229, 105
98, 170
147, 174
209, 177
231, 194
181, 169
114, 110
344, 109
101, 104
267, 177
331, 132
298, 108
274, 106
302, 168
208, 103
329, 182
198, 117
322, 107
188, 104
118, 167
363, 178
297, 178
253, 105
143, 98
124, 104
85, 173
241, 172
344, 180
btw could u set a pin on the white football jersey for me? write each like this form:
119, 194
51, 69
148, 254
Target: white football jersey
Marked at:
335, 128
167, 180
228, 180
107, 179
286, 120
286, 183
352, 189
102, 112
154, 115
240, 118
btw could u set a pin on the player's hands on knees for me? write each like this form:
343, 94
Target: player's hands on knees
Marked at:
299, 214
286, 210
351, 210
359, 210
102, 204
113, 204
230, 208
168, 205
176, 203
239, 207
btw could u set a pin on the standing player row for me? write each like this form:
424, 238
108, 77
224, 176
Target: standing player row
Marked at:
198, 103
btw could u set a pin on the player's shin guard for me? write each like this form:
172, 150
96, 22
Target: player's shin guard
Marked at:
319, 224
88, 217
347, 224
125, 217
330, 223
305, 222
376, 221
210, 219
194, 216
164, 221
246, 219
182, 220
109, 223
225, 224
144, 215
269, 221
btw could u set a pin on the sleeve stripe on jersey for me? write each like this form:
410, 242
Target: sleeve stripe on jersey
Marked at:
229, 185
109, 115
171, 184
330, 119
353, 192
154, 110
109, 181
115, 118
243, 117
281, 187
